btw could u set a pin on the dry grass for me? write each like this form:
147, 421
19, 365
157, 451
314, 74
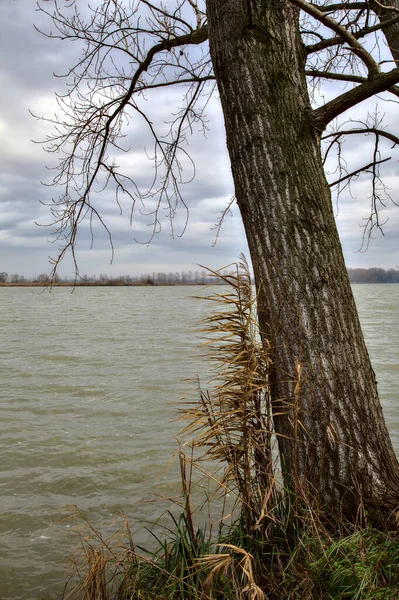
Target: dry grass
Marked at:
277, 547
232, 423
99, 566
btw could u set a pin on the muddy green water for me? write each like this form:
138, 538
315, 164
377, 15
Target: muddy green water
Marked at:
87, 386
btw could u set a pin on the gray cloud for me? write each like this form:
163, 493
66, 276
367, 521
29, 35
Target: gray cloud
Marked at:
27, 62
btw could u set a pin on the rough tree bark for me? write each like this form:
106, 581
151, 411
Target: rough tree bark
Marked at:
331, 431
392, 31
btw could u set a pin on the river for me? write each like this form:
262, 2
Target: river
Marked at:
89, 382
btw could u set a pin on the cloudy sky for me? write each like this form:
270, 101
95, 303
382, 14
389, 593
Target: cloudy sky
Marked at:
27, 63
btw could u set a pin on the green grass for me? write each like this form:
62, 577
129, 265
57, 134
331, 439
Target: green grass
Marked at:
287, 564
364, 565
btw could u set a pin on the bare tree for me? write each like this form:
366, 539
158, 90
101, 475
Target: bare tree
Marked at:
268, 61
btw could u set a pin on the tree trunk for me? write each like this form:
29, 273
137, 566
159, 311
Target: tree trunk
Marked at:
391, 32
332, 436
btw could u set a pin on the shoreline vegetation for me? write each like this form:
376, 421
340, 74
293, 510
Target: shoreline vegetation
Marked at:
262, 541
372, 275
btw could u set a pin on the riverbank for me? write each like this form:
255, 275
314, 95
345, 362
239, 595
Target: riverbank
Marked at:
110, 283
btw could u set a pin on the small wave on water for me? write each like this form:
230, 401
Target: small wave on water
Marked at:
88, 412
87, 417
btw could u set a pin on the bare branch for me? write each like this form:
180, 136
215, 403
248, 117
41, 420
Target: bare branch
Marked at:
163, 12
369, 88
357, 171
381, 132
176, 82
337, 76
385, 7
328, 8
96, 106
129, 54
218, 225
343, 33
346, 77
379, 192
378, 195
335, 41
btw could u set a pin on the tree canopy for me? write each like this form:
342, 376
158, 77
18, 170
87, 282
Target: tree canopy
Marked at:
132, 49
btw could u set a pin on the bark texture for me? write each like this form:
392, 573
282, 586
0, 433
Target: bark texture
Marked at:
391, 32
332, 435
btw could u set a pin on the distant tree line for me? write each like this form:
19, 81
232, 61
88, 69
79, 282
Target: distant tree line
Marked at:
373, 275
155, 278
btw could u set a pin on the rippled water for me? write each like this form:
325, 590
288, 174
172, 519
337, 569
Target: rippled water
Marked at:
88, 382
378, 307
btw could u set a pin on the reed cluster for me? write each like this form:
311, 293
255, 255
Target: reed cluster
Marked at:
267, 542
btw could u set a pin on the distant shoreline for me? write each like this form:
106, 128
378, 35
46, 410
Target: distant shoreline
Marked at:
71, 284
364, 276
101, 284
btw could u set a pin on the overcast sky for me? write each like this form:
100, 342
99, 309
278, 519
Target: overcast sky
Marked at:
27, 63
